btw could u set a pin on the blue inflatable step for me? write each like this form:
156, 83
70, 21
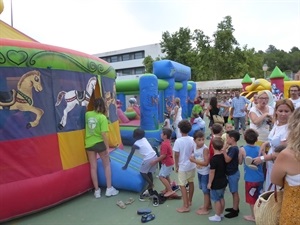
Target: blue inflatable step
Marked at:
129, 179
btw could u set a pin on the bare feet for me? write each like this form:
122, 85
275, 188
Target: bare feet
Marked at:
202, 212
169, 193
182, 210
249, 218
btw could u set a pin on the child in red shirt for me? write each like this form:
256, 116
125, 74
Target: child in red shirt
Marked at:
167, 161
217, 130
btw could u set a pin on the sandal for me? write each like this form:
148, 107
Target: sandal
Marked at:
129, 201
143, 211
148, 217
121, 204
249, 163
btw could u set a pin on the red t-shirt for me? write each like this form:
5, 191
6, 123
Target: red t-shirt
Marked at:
166, 149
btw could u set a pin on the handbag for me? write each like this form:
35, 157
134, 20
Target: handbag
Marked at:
268, 206
218, 119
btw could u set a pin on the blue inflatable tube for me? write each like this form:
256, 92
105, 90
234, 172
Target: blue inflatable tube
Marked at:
129, 179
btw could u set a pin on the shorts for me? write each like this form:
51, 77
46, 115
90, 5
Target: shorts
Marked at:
252, 191
217, 194
165, 171
233, 182
203, 181
146, 167
98, 147
185, 177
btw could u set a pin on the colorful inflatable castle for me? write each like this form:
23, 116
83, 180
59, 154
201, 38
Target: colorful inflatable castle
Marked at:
44, 94
156, 93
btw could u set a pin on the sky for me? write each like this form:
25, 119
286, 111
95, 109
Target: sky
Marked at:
97, 26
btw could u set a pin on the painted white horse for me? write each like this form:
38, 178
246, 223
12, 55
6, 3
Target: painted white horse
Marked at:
74, 98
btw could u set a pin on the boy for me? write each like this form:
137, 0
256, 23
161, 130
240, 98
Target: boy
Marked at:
217, 130
217, 179
232, 170
199, 121
254, 179
167, 162
201, 158
228, 127
149, 155
183, 148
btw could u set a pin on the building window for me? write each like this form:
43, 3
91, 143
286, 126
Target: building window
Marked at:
139, 70
126, 57
114, 59
139, 55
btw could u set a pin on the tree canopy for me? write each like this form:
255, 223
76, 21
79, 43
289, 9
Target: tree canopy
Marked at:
221, 57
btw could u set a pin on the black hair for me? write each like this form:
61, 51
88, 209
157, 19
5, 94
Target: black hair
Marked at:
250, 136
185, 126
279, 148
198, 134
217, 143
99, 105
167, 131
216, 128
138, 133
235, 134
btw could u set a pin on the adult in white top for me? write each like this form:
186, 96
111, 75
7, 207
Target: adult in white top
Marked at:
261, 117
286, 172
177, 117
294, 92
278, 135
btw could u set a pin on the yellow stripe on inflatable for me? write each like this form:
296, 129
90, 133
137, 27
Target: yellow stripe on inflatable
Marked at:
72, 151
114, 135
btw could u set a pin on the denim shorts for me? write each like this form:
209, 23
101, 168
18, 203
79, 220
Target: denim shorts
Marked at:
233, 182
165, 171
217, 195
203, 181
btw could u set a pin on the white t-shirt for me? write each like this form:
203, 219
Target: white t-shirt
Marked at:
296, 102
185, 146
263, 129
145, 148
200, 122
198, 153
167, 123
277, 135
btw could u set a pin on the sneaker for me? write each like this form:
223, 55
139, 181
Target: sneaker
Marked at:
214, 218
155, 201
142, 198
97, 193
231, 209
232, 214
146, 194
111, 192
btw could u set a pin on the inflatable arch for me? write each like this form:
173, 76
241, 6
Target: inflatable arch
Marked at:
156, 92
44, 94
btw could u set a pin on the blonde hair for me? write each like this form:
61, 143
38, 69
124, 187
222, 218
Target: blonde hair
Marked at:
269, 94
177, 101
293, 139
286, 102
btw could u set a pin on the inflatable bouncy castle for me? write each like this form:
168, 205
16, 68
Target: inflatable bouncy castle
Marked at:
44, 94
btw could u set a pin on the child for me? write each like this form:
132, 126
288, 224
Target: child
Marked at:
199, 121
183, 148
167, 162
217, 179
146, 169
228, 127
232, 170
217, 130
167, 123
201, 158
254, 179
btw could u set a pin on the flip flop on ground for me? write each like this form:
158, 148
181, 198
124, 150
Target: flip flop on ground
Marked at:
121, 204
129, 201
148, 217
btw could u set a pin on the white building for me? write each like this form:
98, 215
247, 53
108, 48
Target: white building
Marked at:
129, 61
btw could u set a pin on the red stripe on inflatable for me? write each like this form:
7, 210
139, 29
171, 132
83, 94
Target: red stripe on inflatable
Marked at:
29, 158
30, 195
36, 45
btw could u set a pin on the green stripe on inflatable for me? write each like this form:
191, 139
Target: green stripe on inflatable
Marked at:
11, 56
118, 160
178, 85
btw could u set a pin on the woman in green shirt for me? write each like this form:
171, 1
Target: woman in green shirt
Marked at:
96, 142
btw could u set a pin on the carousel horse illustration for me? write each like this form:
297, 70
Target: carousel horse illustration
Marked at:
74, 98
21, 99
